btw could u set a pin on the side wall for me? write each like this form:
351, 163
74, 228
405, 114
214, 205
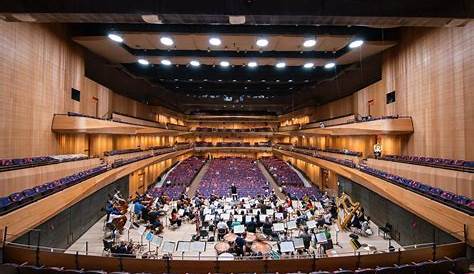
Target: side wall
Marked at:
66, 227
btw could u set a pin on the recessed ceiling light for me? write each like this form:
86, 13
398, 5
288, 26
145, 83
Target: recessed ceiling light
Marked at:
245, 87
277, 80
356, 44
190, 79
252, 64
308, 65
194, 63
249, 80
143, 62
176, 79
330, 65
262, 42
214, 41
234, 80
219, 80
281, 65
263, 80
290, 81
115, 38
309, 43
224, 64
166, 62
205, 80
167, 41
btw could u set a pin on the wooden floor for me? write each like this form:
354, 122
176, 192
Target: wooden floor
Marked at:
95, 234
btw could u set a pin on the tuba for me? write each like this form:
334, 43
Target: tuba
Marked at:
349, 208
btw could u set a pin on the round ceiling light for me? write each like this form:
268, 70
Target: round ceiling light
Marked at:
214, 41
262, 42
115, 38
167, 41
309, 43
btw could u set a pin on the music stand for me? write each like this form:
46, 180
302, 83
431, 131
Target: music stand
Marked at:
311, 224
168, 247
298, 243
198, 246
183, 246
290, 225
238, 218
263, 218
239, 229
287, 246
278, 227
225, 216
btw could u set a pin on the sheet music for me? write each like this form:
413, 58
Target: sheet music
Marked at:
141, 229
225, 216
270, 212
149, 236
291, 225
311, 224
183, 246
287, 246
209, 218
238, 218
248, 219
168, 247
321, 237
238, 229
278, 227
263, 218
157, 240
298, 243
279, 216
181, 212
198, 246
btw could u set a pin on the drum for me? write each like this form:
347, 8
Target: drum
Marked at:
222, 247
230, 237
261, 247
225, 257
261, 237
251, 237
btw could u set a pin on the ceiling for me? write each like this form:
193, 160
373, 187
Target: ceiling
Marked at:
238, 88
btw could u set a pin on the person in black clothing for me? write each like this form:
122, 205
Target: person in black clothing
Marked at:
252, 226
233, 191
239, 245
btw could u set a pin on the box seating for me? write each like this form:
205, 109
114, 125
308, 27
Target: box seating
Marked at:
18, 163
430, 161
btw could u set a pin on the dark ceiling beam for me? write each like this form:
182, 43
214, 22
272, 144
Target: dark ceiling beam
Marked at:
343, 8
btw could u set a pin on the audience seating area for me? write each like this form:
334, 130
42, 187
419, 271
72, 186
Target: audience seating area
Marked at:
462, 203
288, 179
332, 150
18, 163
232, 144
179, 178
231, 130
26, 196
244, 173
121, 151
433, 162
459, 202
440, 266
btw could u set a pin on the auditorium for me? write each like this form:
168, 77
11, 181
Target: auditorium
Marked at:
236, 136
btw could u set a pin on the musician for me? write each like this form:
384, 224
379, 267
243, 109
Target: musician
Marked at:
175, 219
251, 226
239, 245
267, 227
138, 208
233, 192
306, 238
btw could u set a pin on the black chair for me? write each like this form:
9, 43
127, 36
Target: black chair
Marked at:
221, 233
443, 266
54, 270
73, 271
461, 265
95, 272
9, 268
342, 271
406, 269
365, 271
386, 270
107, 245
30, 269
320, 272
203, 233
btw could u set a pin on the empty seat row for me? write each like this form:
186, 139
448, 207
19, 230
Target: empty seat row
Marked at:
461, 202
17, 163
332, 150
26, 196
441, 266
121, 151
258, 129
431, 161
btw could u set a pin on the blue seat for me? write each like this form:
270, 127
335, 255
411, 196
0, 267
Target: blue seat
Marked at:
5, 202
386, 270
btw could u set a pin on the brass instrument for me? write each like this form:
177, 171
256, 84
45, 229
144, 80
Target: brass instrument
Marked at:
350, 209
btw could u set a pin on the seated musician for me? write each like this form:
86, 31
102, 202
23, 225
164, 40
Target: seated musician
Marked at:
252, 225
175, 219
267, 227
239, 245
118, 197
306, 236
138, 208
235, 223
122, 249
222, 229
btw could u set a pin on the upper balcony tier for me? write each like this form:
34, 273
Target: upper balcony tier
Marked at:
118, 124
349, 125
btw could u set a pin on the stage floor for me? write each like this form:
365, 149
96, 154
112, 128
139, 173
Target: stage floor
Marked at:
93, 237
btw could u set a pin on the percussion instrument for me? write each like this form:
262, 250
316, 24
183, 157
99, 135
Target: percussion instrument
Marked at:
222, 247
225, 257
230, 237
261, 247
261, 237
250, 237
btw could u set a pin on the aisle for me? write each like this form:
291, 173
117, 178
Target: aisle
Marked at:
302, 177
195, 183
270, 179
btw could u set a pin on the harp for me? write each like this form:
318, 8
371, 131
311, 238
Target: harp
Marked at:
349, 209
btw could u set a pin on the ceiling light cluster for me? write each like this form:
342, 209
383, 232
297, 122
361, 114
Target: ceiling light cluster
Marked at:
216, 41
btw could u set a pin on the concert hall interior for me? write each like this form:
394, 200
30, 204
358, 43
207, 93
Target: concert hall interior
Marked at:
236, 136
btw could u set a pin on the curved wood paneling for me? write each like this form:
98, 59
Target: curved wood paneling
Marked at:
30, 216
440, 215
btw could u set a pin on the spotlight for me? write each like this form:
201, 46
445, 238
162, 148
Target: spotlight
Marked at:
195, 63
308, 65
252, 64
329, 65
214, 41
309, 43
356, 44
143, 62
281, 65
262, 42
115, 38
224, 64
167, 41
166, 62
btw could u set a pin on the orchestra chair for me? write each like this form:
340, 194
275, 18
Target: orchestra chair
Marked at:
107, 246
342, 271
204, 234
386, 270
30, 269
9, 268
406, 269
221, 233
365, 271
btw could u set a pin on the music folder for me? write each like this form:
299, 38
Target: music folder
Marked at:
287, 246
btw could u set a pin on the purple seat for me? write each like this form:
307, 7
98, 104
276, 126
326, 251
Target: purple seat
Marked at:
17, 197
365, 271
5, 202
386, 270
